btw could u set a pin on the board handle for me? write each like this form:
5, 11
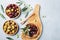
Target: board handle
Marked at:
37, 9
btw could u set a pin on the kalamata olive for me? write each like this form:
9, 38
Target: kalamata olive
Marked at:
10, 15
31, 33
10, 5
14, 5
33, 28
16, 14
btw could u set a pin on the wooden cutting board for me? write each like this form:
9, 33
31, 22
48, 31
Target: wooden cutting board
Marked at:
34, 19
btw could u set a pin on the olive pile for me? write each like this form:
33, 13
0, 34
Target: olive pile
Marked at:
33, 29
10, 27
12, 10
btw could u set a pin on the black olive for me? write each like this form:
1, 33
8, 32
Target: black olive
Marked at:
31, 33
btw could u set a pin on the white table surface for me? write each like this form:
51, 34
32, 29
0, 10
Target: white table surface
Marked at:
51, 23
